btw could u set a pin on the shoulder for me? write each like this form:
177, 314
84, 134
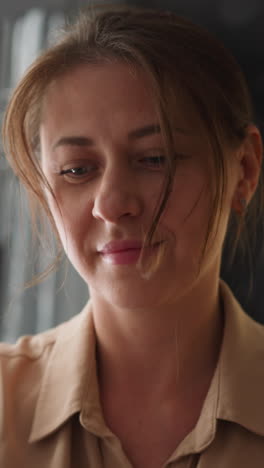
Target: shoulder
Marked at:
34, 373
242, 352
23, 366
29, 356
241, 384
33, 348
28, 351
239, 324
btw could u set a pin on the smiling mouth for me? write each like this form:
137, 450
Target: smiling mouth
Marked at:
125, 252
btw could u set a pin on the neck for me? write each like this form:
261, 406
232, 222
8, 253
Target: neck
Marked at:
160, 351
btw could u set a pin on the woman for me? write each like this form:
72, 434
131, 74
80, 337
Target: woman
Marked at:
135, 134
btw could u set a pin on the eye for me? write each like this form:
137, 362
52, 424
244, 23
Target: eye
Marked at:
159, 161
79, 173
75, 171
154, 161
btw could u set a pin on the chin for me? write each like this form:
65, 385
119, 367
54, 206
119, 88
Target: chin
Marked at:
131, 293
129, 302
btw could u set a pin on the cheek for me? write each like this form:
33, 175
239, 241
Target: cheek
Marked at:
71, 218
189, 202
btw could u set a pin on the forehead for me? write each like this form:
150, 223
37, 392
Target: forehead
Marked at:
101, 90
109, 100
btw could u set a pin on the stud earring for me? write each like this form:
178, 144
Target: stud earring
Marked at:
243, 203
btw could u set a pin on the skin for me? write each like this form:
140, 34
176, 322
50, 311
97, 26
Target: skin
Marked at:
149, 322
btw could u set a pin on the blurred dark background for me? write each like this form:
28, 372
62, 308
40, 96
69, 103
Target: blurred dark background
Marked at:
26, 27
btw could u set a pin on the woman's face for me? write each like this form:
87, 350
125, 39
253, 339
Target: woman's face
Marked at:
104, 158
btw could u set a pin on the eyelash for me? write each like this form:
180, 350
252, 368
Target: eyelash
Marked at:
73, 171
156, 162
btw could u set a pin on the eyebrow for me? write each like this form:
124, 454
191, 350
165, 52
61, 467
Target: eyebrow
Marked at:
133, 135
144, 131
73, 141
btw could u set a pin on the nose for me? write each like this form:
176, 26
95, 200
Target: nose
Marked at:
117, 196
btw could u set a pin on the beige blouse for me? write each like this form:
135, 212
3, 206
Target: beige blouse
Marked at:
51, 416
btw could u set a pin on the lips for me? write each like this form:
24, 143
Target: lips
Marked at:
124, 252
120, 246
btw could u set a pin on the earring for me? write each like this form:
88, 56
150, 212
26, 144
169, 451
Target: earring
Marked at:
243, 203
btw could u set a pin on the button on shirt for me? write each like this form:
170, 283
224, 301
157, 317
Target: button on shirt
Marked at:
51, 414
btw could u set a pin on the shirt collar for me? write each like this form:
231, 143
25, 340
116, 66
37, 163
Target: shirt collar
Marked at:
204, 432
241, 367
237, 387
70, 385
69, 380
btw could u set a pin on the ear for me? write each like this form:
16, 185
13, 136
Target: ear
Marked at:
250, 159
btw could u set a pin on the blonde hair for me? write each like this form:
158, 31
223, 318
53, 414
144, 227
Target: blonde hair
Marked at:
175, 54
